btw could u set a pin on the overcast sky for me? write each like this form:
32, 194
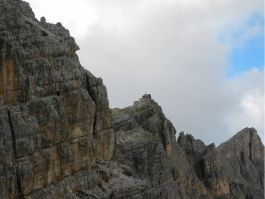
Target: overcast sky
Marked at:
202, 60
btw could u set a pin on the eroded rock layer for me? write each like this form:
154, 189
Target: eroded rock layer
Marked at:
55, 117
186, 168
59, 138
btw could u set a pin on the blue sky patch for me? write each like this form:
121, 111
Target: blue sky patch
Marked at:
247, 46
249, 55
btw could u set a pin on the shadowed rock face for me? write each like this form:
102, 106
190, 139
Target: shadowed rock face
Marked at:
55, 117
186, 168
59, 139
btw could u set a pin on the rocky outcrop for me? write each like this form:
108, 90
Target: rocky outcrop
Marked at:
59, 138
55, 117
241, 161
186, 168
146, 144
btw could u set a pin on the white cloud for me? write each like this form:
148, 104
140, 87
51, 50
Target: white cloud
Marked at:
252, 106
247, 90
172, 49
76, 15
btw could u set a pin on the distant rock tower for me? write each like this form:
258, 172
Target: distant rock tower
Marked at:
146, 97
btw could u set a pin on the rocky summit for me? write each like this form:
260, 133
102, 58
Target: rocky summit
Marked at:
59, 138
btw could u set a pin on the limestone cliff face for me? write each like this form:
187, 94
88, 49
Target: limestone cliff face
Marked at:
59, 138
186, 168
55, 117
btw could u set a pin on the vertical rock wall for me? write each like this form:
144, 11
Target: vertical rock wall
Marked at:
55, 117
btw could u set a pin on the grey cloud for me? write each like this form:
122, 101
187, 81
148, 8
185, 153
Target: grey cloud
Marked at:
172, 50
174, 53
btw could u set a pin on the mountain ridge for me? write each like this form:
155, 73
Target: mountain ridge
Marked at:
60, 139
